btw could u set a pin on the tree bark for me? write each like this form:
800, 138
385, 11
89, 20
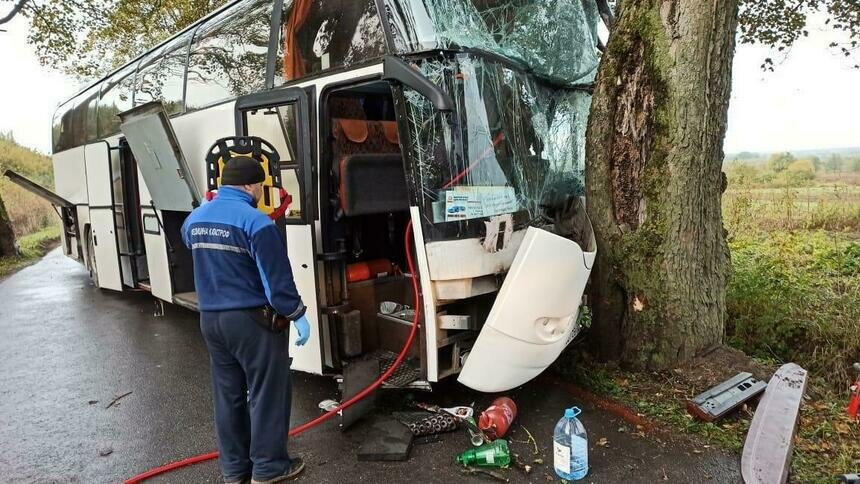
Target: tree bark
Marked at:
7, 235
654, 159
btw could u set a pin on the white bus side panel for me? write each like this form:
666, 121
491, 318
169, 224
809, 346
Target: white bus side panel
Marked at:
428, 302
70, 175
156, 254
300, 249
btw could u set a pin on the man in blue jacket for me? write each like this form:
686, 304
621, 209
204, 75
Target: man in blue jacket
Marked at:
241, 273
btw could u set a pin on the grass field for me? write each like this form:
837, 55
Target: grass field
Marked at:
27, 212
32, 248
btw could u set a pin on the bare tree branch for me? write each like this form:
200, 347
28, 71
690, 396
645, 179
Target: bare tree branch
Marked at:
15, 10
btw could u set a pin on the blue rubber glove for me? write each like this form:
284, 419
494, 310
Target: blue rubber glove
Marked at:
303, 327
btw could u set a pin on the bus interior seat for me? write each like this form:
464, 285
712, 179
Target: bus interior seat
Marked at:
370, 173
372, 183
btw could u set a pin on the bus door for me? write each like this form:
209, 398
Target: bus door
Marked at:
103, 227
283, 118
173, 193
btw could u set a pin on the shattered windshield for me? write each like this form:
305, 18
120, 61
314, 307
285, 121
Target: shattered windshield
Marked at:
554, 39
513, 145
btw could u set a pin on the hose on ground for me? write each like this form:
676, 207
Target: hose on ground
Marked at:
331, 413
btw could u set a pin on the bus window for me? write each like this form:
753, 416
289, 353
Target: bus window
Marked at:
317, 35
88, 108
116, 97
62, 126
228, 56
279, 126
161, 77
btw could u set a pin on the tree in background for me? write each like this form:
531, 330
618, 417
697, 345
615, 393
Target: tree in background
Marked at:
89, 38
741, 174
799, 172
779, 23
778, 162
7, 235
833, 163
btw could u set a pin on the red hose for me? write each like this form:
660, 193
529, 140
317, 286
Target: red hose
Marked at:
322, 418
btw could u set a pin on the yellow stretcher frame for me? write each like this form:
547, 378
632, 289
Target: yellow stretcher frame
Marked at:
256, 148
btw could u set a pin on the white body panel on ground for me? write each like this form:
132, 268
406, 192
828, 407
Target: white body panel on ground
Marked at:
534, 316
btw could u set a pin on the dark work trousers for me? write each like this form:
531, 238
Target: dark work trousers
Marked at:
252, 393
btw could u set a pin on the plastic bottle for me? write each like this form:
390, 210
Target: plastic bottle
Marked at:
496, 420
570, 446
494, 454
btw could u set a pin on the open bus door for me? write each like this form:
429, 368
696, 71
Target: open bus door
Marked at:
173, 194
283, 118
66, 210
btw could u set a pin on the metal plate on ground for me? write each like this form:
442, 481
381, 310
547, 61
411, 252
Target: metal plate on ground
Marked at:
357, 375
767, 450
723, 398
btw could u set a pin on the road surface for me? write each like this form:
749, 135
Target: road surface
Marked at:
68, 349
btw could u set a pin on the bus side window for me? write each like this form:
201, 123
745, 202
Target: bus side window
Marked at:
320, 35
162, 77
278, 125
228, 55
116, 97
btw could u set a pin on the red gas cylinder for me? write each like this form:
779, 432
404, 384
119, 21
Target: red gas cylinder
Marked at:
362, 271
496, 420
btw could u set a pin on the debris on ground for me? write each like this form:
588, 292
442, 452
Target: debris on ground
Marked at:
497, 418
767, 451
714, 403
471, 471
494, 454
105, 451
92, 402
386, 440
328, 405
117, 399
426, 423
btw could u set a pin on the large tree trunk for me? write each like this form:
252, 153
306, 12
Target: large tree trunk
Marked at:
7, 235
654, 157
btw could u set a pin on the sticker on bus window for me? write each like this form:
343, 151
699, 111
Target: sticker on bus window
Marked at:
463, 203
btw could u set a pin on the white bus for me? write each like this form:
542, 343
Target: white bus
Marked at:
465, 117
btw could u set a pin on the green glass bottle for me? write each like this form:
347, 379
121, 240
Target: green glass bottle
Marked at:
494, 454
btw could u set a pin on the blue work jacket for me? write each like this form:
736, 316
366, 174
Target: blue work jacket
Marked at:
240, 257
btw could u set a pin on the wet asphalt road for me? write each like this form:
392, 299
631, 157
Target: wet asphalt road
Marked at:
65, 344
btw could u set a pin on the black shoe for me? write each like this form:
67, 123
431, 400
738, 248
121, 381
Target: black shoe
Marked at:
296, 469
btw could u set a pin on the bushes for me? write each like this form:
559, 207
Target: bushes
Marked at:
27, 212
796, 297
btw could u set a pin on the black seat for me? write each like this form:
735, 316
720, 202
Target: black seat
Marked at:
372, 183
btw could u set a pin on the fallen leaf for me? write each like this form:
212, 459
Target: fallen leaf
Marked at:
602, 442
105, 451
93, 402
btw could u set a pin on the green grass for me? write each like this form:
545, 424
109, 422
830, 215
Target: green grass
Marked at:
796, 297
32, 247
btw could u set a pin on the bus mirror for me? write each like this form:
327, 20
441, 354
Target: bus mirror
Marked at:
395, 69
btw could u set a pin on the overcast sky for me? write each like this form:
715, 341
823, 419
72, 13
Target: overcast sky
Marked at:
812, 101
